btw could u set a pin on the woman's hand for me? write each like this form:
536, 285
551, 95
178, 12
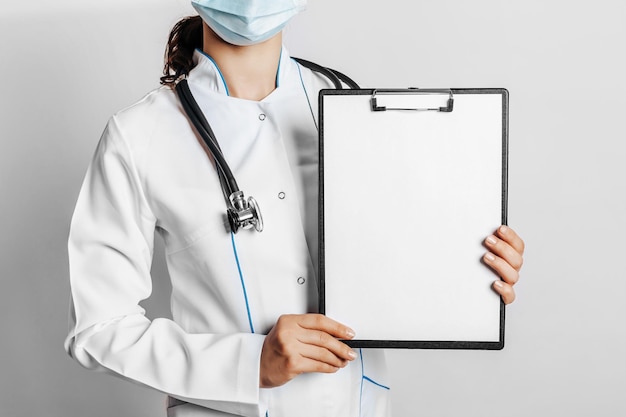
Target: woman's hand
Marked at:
506, 249
303, 343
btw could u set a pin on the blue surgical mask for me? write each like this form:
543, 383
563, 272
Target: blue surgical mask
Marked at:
247, 22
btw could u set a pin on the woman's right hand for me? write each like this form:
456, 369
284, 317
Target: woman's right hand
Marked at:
303, 343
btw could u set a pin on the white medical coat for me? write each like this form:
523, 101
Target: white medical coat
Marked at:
151, 173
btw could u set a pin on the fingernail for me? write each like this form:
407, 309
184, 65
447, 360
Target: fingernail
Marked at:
491, 240
352, 354
504, 229
498, 284
350, 333
490, 257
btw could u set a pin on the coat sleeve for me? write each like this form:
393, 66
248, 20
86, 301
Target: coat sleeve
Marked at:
110, 255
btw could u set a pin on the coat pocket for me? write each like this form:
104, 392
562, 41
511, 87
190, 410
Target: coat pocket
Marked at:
178, 408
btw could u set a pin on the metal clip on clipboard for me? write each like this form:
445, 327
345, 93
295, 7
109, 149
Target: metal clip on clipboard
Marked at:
402, 98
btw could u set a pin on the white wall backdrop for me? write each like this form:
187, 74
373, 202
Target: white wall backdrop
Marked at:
67, 66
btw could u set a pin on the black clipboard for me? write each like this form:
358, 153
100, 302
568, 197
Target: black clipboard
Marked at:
411, 182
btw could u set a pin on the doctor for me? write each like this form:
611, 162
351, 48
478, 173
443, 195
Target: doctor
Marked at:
244, 339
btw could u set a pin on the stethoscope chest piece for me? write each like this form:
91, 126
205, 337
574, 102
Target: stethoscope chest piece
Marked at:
244, 214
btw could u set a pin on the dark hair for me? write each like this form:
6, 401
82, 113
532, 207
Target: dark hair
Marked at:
185, 37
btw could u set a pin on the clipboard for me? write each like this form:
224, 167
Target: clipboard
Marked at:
411, 183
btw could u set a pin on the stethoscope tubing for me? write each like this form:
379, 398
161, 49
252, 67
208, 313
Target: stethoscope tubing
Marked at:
334, 76
206, 133
232, 194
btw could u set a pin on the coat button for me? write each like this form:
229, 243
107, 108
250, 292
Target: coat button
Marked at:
301, 280
262, 116
281, 195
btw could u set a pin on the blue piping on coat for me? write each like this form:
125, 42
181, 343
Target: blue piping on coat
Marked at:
243, 283
368, 379
218, 69
306, 94
280, 59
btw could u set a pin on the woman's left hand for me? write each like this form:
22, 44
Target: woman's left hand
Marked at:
505, 257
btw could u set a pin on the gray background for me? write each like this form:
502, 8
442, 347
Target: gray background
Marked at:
67, 65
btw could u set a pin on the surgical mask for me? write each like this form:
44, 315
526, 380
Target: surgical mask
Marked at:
247, 22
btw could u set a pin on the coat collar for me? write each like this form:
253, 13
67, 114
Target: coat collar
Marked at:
207, 74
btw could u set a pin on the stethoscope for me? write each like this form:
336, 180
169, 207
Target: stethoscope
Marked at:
242, 213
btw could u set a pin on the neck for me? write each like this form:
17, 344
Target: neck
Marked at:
249, 71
